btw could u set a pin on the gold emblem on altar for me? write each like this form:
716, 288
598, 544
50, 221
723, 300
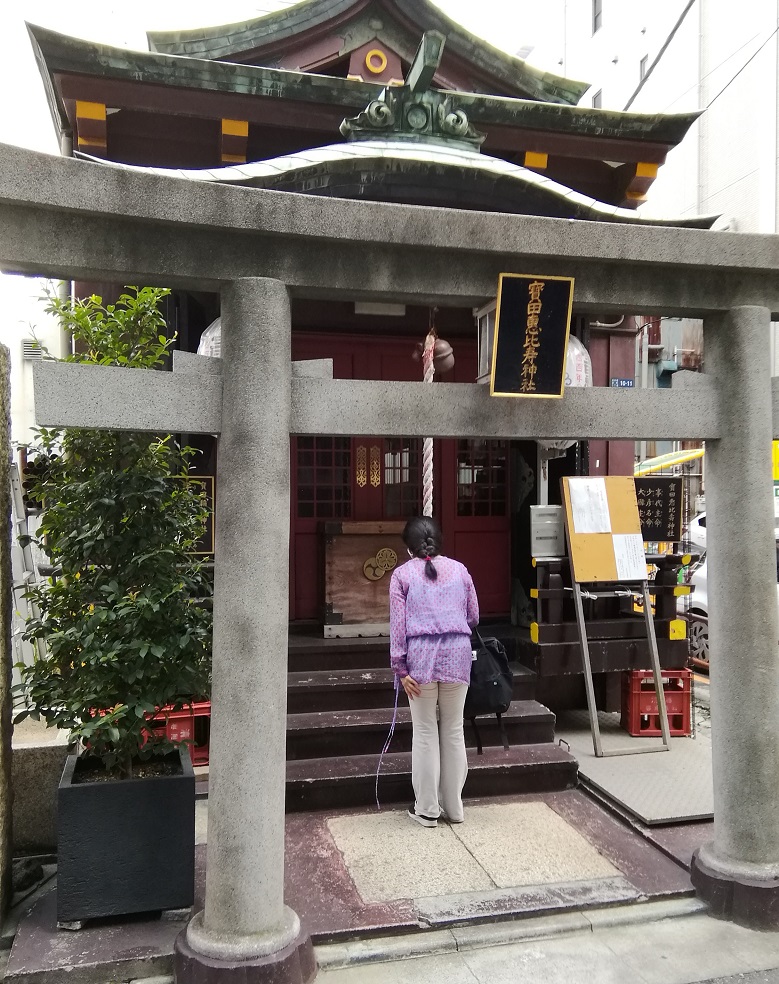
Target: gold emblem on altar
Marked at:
376, 567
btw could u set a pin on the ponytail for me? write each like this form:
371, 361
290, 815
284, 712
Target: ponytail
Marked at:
422, 536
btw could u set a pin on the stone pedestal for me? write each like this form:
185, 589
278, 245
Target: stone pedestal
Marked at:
294, 964
245, 933
737, 873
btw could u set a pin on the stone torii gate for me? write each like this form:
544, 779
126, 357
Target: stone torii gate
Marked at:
70, 219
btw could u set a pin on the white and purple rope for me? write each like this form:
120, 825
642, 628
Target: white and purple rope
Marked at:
387, 742
428, 353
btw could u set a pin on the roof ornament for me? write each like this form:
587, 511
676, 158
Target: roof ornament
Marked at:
414, 111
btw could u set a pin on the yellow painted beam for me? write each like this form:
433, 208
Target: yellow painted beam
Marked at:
90, 110
235, 128
536, 160
647, 170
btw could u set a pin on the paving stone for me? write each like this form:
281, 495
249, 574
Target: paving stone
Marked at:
475, 907
683, 950
573, 961
391, 857
444, 969
529, 844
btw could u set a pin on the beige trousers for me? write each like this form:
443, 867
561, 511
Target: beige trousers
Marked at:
438, 762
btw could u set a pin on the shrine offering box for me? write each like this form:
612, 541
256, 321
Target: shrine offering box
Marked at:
359, 561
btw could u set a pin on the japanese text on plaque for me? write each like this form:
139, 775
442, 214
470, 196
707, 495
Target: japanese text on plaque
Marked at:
532, 343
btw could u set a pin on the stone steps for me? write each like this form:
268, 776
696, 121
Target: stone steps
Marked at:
322, 734
308, 655
347, 781
340, 700
354, 689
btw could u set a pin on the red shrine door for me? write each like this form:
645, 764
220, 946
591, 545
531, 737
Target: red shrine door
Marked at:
380, 478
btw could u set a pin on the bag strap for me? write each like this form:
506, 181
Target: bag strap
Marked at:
502, 727
474, 725
478, 636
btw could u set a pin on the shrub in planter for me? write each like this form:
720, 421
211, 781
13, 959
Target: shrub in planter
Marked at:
122, 622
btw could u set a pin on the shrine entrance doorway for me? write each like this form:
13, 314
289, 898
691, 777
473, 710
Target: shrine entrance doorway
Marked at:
363, 479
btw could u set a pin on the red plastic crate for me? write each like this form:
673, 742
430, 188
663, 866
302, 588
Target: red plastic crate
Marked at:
191, 724
640, 716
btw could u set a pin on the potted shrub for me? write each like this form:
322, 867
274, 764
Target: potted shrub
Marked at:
123, 631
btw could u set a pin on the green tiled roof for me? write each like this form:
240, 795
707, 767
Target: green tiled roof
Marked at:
231, 40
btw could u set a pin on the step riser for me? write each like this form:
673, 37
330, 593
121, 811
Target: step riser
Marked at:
397, 789
330, 742
335, 699
308, 661
300, 701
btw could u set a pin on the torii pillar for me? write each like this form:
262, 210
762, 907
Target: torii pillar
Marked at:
737, 872
245, 934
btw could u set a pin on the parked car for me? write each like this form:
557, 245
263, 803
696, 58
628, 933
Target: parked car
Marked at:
696, 608
695, 535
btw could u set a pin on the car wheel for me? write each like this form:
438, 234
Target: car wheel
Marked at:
699, 641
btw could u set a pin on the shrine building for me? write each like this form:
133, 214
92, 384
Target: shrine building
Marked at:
317, 100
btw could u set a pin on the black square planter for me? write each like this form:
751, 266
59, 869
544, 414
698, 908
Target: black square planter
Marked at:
125, 846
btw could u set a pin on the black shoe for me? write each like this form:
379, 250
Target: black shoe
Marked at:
423, 821
443, 816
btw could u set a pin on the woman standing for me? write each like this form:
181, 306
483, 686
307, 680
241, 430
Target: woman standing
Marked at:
433, 608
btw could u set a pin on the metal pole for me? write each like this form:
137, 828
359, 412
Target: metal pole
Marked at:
588, 685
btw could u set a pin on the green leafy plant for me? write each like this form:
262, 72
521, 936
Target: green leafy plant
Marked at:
122, 623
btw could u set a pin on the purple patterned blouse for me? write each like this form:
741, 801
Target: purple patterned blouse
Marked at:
431, 621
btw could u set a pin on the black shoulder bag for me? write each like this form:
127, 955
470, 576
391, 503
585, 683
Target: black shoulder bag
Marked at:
491, 687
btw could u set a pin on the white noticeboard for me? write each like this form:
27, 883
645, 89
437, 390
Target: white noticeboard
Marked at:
590, 506
629, 555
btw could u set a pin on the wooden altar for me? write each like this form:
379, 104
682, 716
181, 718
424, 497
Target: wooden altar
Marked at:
359, 560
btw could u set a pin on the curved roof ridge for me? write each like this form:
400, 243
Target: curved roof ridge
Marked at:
222, 41
61, 53
260, 174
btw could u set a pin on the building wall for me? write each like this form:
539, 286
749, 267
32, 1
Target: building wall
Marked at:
718, 62
23, 317
722, 60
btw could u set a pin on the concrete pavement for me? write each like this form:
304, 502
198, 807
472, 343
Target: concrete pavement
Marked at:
680, 945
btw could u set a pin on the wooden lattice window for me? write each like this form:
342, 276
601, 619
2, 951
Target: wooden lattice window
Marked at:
324, 468
482, 473
402, 477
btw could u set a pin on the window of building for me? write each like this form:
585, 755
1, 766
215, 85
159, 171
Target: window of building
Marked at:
643, 66
597, 99
324, 477
482, 477
597, 15
402, 477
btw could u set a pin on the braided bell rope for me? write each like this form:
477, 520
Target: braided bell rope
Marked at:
427, 445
